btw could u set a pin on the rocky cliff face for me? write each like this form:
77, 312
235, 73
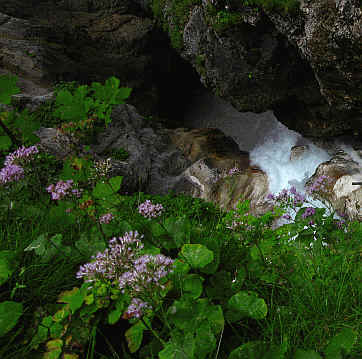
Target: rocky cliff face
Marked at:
46, 42
305, 65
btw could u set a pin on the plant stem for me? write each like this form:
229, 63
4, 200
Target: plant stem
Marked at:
8, 132
154, 332
261, 253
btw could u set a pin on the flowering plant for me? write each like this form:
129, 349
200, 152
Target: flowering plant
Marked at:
309, 222
123, 266
130, 278
74, 109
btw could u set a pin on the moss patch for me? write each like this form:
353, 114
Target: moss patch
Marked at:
120, 155
219, 20
180, 11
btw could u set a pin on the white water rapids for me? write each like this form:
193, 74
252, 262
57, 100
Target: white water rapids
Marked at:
268, 142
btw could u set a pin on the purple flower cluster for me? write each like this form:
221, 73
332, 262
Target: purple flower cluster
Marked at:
139, 279
227, 174
61, 190
318, 184
148, 210
106, 218
136, 308
298, 199
121, 263
284, 196
117, 257
12, 171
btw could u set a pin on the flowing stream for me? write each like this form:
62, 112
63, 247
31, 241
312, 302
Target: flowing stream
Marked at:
268, 142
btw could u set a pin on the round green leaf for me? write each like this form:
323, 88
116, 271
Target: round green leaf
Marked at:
197, 255
10, 312
134, 336
192, 286
246, 304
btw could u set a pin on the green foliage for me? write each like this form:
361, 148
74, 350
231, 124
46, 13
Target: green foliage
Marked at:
48, 248
245, 304
69, 107
179, 13
257, 350
341, 344
120, 154
195, 325
222, 280
224, 20
7, 265
10, 312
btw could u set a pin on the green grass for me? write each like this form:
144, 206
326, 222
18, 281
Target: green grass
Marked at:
312, 296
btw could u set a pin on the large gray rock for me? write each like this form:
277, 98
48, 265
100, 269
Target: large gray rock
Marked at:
194, 161
306, 65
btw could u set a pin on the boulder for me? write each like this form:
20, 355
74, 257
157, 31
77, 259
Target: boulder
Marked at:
297, 151
343, 168
194, 162
344, 197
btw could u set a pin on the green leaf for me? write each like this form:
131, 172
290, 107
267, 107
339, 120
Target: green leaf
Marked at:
54, 349
46, 248
214, 246
5, 143
246, 304
134, 336
56, 330
40, 337
115, 314
216, 318
73, 107
306, 354
197, 255
179, 347
61, 314
10, 312
250, 350
8, 265
47, 321
103, 190
179, 229
205, 340
110, 93
38, 245
192, 286
180, 267
88, 247
74, 297
8, 88
341, 344
187, 315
